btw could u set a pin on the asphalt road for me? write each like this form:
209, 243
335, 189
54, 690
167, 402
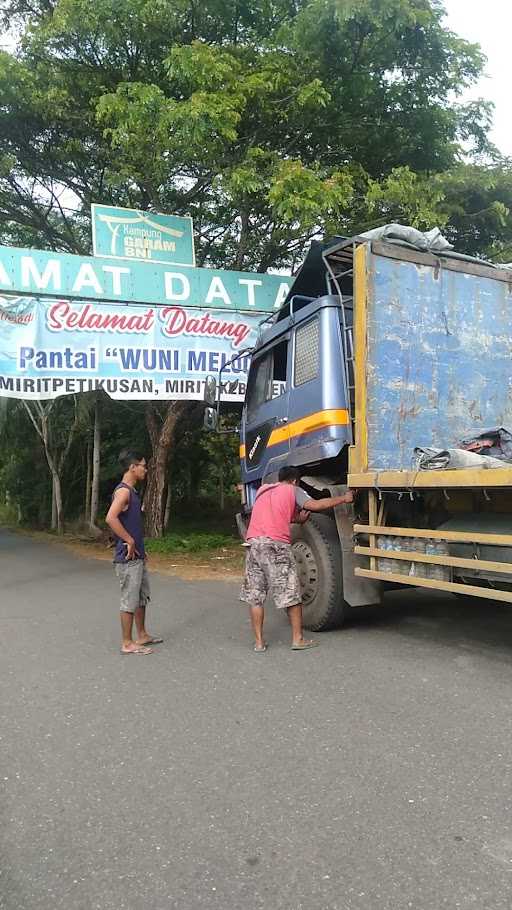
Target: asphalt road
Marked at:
371, 773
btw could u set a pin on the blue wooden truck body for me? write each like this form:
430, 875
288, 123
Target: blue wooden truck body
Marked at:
439, 353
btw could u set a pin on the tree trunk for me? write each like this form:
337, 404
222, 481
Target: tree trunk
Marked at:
243, 242
154, 497
87, 508
40, 419
222, 498
168, 502
188, 482
54, 506
96, 464
161, 429
58, 502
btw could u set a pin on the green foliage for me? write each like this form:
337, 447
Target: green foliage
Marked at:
407, 197
8, 515
25, 486
205, 466
191, 542
269, 123
478, 207
305, 195
202, 465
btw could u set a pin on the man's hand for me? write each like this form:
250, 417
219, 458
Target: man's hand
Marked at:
303, 517
331, 502
131, 552
344, 499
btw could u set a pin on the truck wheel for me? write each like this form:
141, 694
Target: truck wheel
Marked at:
317, 551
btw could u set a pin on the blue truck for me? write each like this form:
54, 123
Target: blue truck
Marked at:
380, 349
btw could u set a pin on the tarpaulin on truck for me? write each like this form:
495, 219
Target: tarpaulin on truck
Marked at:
432, 459
428, 242
496, 442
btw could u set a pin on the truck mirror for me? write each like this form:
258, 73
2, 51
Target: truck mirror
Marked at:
210, 391
210, 420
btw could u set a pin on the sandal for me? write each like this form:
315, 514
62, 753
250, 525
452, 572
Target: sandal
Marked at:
138, 649
304, 646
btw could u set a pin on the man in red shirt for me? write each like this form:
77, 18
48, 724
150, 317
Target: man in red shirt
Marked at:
270, 565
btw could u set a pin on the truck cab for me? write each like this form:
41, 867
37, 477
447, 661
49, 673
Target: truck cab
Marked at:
297, 406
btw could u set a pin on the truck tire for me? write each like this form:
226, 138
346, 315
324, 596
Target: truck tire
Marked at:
317, 551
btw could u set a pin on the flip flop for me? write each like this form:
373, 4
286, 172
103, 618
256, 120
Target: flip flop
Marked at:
154, 640
137, 650
260, 649
305, 646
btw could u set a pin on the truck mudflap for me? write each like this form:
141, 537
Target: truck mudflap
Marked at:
357, 592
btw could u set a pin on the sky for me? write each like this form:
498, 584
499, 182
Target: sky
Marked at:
489, 22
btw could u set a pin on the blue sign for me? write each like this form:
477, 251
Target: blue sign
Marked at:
131, 234
40, 273
52, 347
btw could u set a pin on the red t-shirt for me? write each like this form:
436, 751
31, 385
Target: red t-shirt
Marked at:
274, 510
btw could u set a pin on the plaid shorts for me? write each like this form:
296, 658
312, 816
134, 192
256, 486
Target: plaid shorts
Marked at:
270, 568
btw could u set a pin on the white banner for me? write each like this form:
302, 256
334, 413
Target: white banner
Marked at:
52, 347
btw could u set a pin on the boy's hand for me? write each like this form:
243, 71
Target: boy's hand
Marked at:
131, 552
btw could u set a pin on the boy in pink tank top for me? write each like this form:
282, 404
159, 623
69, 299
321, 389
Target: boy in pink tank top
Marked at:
270, 564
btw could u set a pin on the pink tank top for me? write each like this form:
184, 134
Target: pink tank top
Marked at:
273, 512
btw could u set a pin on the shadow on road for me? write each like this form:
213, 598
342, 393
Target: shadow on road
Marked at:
468, 623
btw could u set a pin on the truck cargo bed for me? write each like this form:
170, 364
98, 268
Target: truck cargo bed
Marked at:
433, 361
429, 480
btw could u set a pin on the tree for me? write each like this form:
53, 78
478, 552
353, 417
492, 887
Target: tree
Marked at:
24, 472
477, 202
24, 476
57, 435
269, 123
96, 464
162, 422
222, 453
265, 122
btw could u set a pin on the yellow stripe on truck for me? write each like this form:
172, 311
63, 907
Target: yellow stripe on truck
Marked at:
317, 421
335, 418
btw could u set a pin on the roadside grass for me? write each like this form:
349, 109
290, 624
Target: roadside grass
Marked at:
197, 546
8, 516
190, 541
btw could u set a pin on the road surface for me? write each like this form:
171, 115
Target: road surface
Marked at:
373, 773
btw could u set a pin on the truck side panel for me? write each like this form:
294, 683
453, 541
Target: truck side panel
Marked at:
438, 357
